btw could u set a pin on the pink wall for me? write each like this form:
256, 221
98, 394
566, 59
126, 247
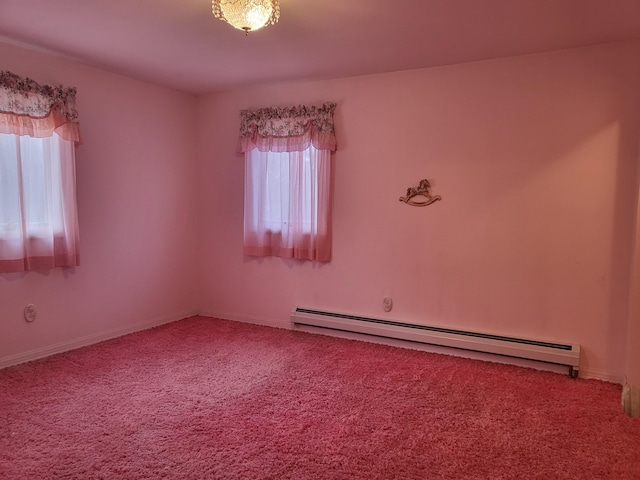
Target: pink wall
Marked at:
535, 158
135, 182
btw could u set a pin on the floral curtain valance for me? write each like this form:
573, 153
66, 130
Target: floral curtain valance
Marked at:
28, 108
290, 129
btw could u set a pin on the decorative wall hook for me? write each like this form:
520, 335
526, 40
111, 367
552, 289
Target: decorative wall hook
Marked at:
422, 192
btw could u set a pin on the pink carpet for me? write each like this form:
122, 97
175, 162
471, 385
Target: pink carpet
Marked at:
211, 399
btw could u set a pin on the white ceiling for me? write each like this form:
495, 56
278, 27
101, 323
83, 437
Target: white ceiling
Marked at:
180, 44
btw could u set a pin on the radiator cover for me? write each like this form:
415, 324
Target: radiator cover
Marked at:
548, 352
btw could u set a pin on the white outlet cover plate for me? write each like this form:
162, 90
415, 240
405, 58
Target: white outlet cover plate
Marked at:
30, 312
387, 304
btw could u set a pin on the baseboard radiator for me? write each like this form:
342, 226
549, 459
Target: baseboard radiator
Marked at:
555, 353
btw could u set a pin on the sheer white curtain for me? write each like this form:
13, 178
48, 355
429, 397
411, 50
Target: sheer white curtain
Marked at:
288, 204
287, 209
38, 213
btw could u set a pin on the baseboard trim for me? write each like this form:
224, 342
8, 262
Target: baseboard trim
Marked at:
66, 346
267, 322
586, 373
603, 375
85, 341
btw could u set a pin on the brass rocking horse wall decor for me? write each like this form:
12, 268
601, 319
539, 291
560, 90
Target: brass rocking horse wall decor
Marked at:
424, 198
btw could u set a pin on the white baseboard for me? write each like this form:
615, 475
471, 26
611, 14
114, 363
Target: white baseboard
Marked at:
61, 347
89, 339
267, 322
603, 375
586, 373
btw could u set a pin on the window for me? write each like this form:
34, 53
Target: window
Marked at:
287, 209
31, 169
287, 202
38, 219
279, 203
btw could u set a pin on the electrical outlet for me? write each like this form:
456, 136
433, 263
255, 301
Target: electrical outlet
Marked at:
30, 312
387, 304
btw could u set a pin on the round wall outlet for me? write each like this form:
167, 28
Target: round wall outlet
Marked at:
387, 304
30, 312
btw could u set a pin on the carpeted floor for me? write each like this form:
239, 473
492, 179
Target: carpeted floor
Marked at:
212, 399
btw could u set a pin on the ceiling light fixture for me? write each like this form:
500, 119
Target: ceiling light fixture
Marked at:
247, 15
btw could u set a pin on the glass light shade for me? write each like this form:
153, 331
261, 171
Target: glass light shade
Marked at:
247, 15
